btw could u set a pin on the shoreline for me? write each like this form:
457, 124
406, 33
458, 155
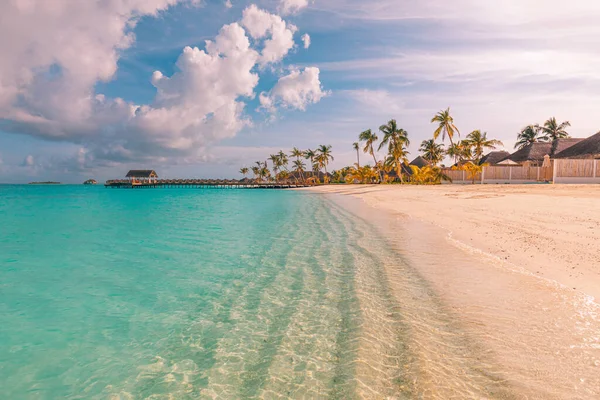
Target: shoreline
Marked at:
549, 231
530, 329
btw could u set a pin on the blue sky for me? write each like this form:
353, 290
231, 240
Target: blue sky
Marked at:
498, 66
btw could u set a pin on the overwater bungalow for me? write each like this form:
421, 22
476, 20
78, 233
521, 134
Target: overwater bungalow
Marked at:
141, 176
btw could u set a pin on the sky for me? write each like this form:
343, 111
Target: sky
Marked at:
200, 88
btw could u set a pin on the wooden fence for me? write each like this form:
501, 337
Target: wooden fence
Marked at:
576, 171
560, 171
503, 174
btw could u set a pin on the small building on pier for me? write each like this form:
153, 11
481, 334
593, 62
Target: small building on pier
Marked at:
141, 176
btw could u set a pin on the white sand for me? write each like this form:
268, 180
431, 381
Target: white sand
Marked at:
514, 267
551, 230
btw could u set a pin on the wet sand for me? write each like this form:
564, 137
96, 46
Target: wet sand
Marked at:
516, 270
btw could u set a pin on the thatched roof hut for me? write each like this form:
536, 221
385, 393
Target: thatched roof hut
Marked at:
419, 162
142, 173
588, 148
535, 152
494, 157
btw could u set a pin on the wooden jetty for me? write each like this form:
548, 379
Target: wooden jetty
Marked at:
148, 179
202, 184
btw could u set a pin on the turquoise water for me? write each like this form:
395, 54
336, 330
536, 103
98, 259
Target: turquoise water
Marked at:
128, 294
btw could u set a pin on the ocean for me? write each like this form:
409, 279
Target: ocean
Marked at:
193, 293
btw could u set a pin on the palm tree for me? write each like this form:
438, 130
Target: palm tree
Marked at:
356, 147
310, 155
396, 139
479, 142
392, 134
274, 158
244, 171
369, 138
446, 126
461, 151
397, 157
299, 167
324, 157
432, 151
552, 130
298, 153
528, 135
256, 172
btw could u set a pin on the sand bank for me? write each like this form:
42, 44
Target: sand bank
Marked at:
514, 266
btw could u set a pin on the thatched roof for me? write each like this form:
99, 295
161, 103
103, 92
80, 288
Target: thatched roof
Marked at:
560, 145
142, 173
535, 152
494, 157
588, 148
419, 162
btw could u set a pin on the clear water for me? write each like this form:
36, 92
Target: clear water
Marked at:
128, 294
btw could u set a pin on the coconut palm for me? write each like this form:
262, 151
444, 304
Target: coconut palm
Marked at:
455, 151
244, 171
283, 160
310, 155
323, 158
397, 156
298, 154
478, 142
299, 167
256, 172
369, 138
552, 130
432, 151
392, 135
274, 158
528, 135
356, 147
446, 126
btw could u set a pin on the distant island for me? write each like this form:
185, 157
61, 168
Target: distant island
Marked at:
90, 182
44, 183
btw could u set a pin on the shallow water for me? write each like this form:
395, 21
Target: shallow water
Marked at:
186, 294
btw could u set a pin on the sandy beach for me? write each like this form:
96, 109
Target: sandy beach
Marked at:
550, 230
517, 268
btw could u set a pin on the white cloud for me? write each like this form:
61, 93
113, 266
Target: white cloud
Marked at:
54, 52
278, 35
306, 40
200, 104
296, 90
228, 4
287, 7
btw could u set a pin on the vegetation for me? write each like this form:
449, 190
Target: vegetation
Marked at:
312, 166
478, 143
549, 132
528, 135
445, 127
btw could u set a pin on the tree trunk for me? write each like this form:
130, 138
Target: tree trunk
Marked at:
400, 173
358, 158
376, 166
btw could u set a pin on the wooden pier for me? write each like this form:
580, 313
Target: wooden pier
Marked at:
202, 184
